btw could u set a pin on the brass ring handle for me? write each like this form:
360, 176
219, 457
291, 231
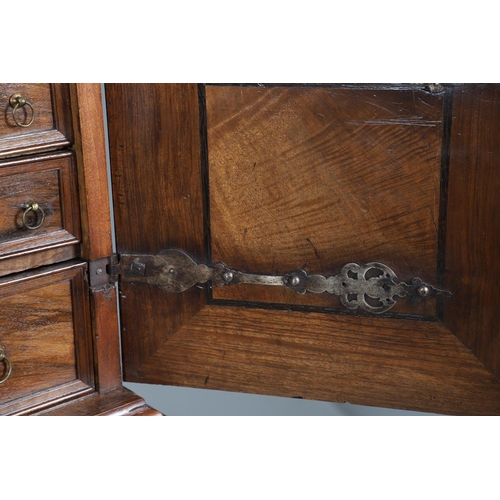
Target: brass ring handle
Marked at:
6, 360
17, 101
33, 206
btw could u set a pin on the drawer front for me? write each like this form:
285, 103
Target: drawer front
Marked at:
50, 183
36, 117
43, 333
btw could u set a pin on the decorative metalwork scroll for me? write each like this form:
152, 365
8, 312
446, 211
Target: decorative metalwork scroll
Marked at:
372, 287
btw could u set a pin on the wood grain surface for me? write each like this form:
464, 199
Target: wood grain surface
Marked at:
155, 148
158, 200
119, 402
51, 128
473, 228
88, 122
44, 330
105, 328
315, 178
90, 148
39, 258
369, 361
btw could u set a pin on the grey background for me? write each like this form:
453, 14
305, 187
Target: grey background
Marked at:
181, 401
189, 401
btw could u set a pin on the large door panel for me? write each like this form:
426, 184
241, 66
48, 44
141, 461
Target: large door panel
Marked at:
269, 179
314, 178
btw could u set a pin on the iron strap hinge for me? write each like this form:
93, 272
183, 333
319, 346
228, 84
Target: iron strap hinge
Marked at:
371, 287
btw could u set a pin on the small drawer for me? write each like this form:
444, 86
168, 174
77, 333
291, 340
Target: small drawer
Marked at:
36, 117
45, 339
47, 184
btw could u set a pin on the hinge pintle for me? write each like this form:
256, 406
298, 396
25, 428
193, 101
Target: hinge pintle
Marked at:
103, 271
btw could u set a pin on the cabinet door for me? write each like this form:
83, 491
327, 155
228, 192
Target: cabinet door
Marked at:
269, 179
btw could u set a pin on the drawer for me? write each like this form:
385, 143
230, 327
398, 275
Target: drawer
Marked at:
44, 334
39, 121
49, 181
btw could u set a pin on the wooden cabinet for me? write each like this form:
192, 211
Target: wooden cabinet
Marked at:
292, 182
48, 331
